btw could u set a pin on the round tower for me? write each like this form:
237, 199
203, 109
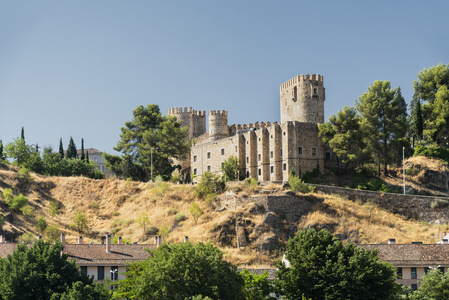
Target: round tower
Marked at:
302, 99
218, 124
194, 120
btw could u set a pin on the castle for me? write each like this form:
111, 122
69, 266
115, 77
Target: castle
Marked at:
266, 151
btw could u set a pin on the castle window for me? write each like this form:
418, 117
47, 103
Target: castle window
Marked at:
260, 156
285, 167
222, 151
247, 159
327, 156
260, 172
414, 286
314, 151
195, 171
441, 269
271, 136
284, 133
209, 169
195, 158
399, 272
247, 174
208, 155
413, 273
294, 93
300, 150
314, 91
271, 154
272, 169
235, 148
281, 152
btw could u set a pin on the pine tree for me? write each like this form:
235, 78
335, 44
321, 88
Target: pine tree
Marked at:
22, 134
61, 149
82, 150
418, 120
71, 149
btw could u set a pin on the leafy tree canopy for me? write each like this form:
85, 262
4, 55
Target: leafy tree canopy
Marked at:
231, 169
322, 267
148, 134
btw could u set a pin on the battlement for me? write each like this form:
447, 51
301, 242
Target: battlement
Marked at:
218, 113
314, 78
180, 110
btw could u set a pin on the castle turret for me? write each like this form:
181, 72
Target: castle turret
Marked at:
302, 99
193, 119
218, 124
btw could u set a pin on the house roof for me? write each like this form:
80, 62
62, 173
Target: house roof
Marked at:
95, 254
412, 254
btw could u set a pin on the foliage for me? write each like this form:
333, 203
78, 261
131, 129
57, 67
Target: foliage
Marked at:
7, 195
298, 186
418, 122
19, 152
41, 272
80, 221
195, 211
2, 157
152, 230
25, 176
322, 267
172, 211
181, 271
148, 134
376, 184
209, 184
176, 176
94, 205
164, 231
251, 184
54, 208
231, 169
210, 200
180, 217
27, 211
434, 286
18, 202
52, 232
431, 88
143, 220
383, 122
257, 287
440, 203
432, 151
71, 149
27, 238
2, 222
61, 149
343, 135
311, 176
42, 224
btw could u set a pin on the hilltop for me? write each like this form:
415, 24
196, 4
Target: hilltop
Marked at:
113, 206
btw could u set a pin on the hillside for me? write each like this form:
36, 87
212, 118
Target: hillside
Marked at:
113, 206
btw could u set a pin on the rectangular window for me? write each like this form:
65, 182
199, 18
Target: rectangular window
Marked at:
399, 272
247, 159
327, 156
195, 171
413, 273
208, 155
223, 151
235, 148
195, 158
414, 287
285, 167
441, 269
84, 270
300, 150
426, 269
314, 151
208, 168
260, 172
281, 152
271, 154
100, 273
259, 156
114, 273
272, 169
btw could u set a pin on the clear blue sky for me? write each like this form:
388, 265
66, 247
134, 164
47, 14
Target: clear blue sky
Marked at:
79, 68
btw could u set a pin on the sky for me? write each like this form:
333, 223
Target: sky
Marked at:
79, 68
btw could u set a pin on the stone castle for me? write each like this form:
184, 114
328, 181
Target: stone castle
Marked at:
266, 151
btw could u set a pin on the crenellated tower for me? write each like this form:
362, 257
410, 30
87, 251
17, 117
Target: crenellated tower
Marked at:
302, 99
193, 119
218, 124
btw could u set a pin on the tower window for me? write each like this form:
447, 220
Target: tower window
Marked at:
272, 169
247, 159
313, 151
285, 167
195, 171
271, 154
223, 151
300, 150
195, 158
294, 93
260, 157
208, 155
281, 152
328, 156
209, 168
260, 172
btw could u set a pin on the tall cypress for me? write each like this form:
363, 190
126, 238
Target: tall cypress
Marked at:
61, 149
418, 124
82, 150
87, 156
1, 151
71, 149
22, 134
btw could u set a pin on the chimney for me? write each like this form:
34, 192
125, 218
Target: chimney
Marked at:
63, 239
2, 239
186, 239
155, 240
119, 240
391, 241
108, 243
80, 240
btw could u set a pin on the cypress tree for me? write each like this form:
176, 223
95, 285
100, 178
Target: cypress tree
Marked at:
22, 134
82, 150
418, 123
61, 149
1, 151
87, 156
71, 149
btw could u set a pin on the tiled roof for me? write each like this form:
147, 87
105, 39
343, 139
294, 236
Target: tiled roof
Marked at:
271, 272
95, 254
412, 254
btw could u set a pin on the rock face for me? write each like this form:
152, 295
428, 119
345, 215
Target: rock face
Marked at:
433, 175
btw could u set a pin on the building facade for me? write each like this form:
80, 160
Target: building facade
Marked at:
266, 151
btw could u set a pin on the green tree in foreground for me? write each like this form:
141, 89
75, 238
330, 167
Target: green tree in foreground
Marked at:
80, 221
231, 169
195, 211
322, 267
434, 286
71, 149
257, 287
181, 271
41, 272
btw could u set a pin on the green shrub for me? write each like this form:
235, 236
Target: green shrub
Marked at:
411, 172
175, 176
172, 211
310, 176
25, 176
94, 205
152, 230
18, 202
209, 184
54, 208
164, 231
52, 232
7, 195
116, 213
180, 217
27, 238
80, 222
27, 211
298, 186
432, 151
210, 200
251, 185
42, 224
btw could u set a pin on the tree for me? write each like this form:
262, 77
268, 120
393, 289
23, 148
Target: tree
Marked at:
42, 224
148, 132
80, 221
431, 88
143, 220
209, 184
231, 169
383, 123
343, 135
61, 149
82, 150
71, 149
418, 125
434, 286
19, 152
322, 267
195, 211
1, 151
257, 287
22, 134
41, 272
181, 271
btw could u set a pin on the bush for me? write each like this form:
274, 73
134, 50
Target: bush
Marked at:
25, 176
116, 213
180, 217
432, 151
172, 211
27, 238
439, 204
175, 176
411, 172
27, 211
18, 202
209, 184
52, 232
94, 205
298, 186
80, 221
7, 195
251, 185
210, 200
377, 184
152, 230
42, 224
310, 176
54, 208
164, 231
